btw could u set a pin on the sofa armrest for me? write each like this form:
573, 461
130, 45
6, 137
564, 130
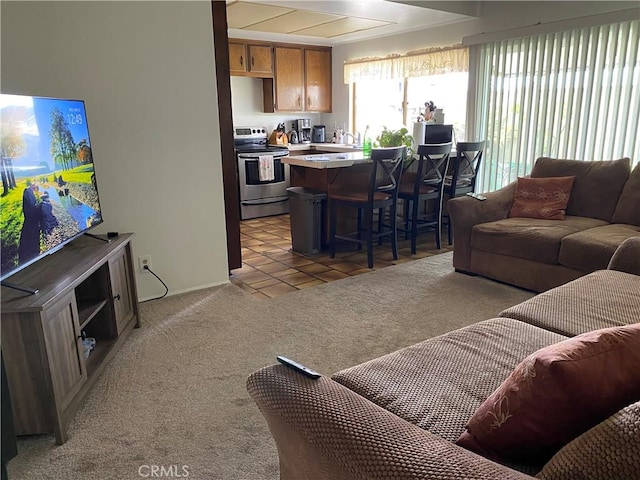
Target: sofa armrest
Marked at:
324, 431
626, 258
465, 212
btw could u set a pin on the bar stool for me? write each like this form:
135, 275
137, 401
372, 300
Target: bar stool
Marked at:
427, 184
382, 194
466, 165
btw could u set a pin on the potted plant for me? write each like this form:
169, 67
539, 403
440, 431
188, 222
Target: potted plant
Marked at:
396, 138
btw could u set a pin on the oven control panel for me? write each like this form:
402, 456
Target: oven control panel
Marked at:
249, 132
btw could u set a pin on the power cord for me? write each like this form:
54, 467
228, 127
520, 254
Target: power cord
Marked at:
166, 289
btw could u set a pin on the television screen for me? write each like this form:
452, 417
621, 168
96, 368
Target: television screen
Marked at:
438, 133
49, 192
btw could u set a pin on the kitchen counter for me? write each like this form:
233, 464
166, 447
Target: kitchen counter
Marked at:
325, 147
326, 160
329, 173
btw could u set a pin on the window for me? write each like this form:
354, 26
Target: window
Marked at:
392, 92
447, 90
573, 94
378, 103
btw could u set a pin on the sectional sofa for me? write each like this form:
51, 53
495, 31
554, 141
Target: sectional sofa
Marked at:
538, 254
417, 412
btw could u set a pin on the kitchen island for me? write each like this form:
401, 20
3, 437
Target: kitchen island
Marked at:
331, 173
327, 160
326, 147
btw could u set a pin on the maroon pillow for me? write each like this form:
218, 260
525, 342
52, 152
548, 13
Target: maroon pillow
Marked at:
545, 198
556, 394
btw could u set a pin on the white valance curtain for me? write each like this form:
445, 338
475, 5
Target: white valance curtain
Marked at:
413, 64
572, 94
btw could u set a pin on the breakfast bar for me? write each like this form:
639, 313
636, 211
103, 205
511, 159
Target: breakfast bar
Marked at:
330, 173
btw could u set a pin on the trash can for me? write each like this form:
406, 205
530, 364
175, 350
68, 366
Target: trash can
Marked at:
305, 215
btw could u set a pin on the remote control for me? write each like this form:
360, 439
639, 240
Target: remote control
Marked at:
298, 367
477, 196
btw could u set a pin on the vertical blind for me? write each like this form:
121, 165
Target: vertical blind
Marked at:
573, 94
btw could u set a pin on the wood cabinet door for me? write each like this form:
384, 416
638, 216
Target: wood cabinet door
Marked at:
260, 59
237, 58
65, 353
121, 290
317, 80
289, 79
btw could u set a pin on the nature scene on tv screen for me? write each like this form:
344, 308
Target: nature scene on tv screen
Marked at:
49, 192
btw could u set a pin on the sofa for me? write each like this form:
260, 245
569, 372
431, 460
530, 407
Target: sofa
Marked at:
536, 253
404, 415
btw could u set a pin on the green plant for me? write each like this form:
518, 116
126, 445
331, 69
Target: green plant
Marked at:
396, 138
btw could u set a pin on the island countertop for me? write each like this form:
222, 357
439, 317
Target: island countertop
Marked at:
326, 160
325, 147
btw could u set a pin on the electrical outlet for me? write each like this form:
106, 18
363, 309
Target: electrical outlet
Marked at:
144, 261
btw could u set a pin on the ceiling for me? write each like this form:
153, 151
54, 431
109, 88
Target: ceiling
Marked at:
332, 22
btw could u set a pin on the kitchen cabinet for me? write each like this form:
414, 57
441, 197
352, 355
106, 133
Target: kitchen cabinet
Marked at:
249, 59
260, 59
237, 58
87, 290
301, 80
288, 84
317, 83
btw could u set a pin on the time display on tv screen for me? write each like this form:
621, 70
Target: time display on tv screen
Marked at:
49, 193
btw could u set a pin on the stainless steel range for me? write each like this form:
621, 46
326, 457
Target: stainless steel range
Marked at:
263, 177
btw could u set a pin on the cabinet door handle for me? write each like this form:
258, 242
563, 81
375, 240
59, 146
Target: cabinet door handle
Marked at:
241, 61
117, 297
308, 101
299, 101
253, 61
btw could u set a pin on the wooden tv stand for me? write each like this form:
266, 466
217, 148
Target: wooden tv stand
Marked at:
86, 288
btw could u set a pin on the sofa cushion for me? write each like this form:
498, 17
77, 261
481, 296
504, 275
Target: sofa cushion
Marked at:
609, 450
556, 394
601, 299
592, 249
541, 197
438, 384
532, 239
597, 186
628, 207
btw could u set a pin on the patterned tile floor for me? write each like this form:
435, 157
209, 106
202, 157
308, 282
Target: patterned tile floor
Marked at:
270, 267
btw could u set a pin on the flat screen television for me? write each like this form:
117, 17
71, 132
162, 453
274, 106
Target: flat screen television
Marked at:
49, 190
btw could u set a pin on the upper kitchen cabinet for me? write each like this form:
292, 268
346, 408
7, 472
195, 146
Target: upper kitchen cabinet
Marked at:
288, 80
301, 80
317, 80
237, 58
250, 60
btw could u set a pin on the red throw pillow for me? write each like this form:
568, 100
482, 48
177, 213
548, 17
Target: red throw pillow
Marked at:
545, 197
556, 394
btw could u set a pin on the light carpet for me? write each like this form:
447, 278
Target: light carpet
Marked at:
174, 397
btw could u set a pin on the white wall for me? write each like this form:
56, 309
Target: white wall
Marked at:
248, 109
495, 17
146, 72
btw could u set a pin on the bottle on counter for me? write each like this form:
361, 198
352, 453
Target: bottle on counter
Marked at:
366, 143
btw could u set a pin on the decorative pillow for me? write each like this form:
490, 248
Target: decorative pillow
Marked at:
556, 394
545, 198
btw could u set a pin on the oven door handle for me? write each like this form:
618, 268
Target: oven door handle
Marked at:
263, 202
254, 158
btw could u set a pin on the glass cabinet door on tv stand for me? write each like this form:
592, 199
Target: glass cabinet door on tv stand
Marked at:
56, 343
